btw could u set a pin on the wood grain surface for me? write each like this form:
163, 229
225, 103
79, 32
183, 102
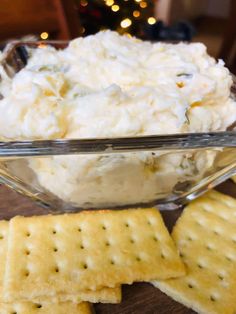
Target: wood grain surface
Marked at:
139, 298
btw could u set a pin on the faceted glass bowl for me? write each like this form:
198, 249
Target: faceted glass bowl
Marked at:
69, 175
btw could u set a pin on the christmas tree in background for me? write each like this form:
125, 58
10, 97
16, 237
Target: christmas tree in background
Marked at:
125, 16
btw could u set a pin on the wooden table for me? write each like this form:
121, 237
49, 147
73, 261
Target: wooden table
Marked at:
139, 298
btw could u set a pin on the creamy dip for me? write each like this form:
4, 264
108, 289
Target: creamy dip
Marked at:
109, 85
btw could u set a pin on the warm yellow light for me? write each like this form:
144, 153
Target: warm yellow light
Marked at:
84, 3
128, 35
109, 2
143, 4
138, 0
151, 20
125, 23
136, 13
115, 8
44, 35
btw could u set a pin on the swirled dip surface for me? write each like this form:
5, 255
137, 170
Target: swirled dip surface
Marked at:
109, 85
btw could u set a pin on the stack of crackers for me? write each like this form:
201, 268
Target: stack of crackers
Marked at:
58, 264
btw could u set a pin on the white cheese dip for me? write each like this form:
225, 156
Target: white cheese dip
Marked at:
109, 85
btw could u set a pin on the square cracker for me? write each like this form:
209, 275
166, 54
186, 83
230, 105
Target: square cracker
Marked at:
206, 237
51, 255
104, 295
56, 308
29, 307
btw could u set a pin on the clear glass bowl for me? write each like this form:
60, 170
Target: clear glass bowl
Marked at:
68, 175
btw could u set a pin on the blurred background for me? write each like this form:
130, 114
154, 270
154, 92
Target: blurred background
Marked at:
212, 22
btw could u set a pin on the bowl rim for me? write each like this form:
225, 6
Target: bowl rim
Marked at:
186, 141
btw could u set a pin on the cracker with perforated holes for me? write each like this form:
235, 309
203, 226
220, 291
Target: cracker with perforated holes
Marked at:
206, 237
104, 295
51, 255
28, 307
59, 308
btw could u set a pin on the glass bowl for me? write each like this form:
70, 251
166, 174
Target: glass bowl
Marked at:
70, 175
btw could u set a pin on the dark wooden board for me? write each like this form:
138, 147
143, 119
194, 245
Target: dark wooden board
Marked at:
139, 298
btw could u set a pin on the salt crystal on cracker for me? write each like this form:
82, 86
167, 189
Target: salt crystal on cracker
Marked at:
51, 255
205, 235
